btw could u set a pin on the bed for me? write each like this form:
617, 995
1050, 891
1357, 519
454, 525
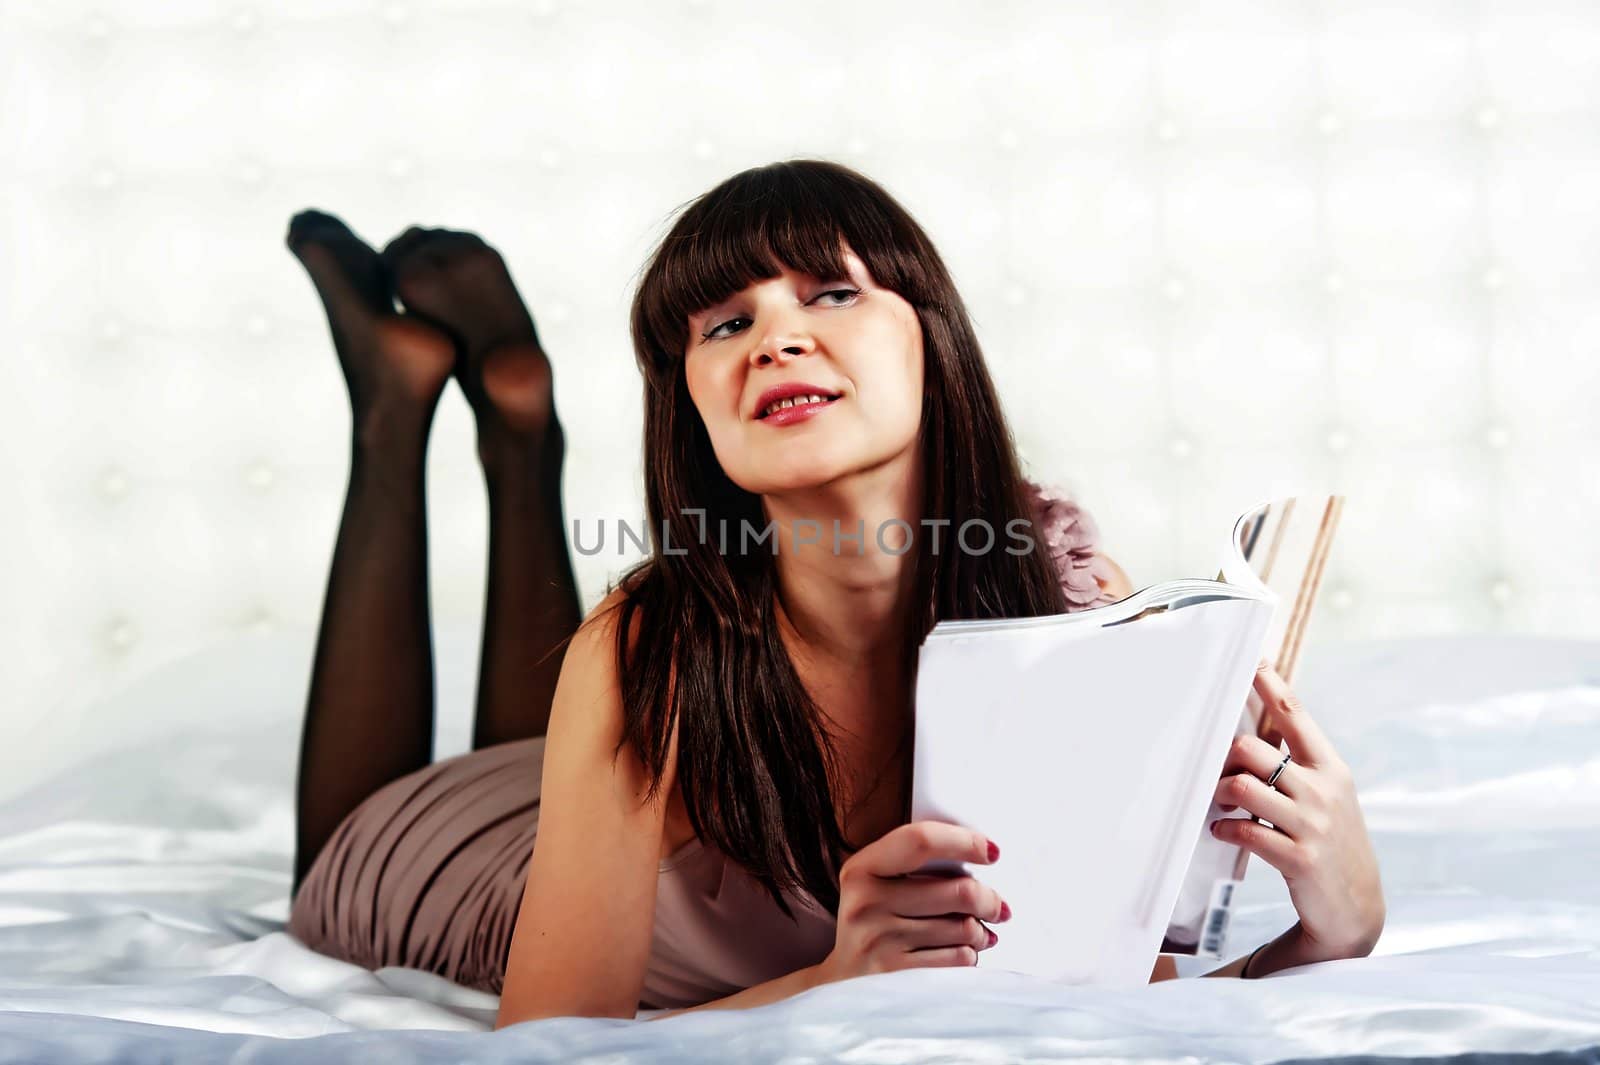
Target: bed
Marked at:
143, 893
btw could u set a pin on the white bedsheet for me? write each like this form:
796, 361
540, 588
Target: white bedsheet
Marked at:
143, 893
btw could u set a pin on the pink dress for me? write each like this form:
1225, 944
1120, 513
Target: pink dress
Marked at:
428, 871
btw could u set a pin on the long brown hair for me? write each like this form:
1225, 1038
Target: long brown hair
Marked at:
754, 759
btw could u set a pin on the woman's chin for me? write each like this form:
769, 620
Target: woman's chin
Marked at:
810, 465
797, 482
798, 474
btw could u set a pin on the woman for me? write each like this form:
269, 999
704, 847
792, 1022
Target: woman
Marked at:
706, 804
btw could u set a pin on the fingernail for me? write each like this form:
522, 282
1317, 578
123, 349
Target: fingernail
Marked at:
993, 939
994, 850
1215, 823
1005, 910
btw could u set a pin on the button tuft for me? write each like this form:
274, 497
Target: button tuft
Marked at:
121, 634
260, 476
256, 619
113, 484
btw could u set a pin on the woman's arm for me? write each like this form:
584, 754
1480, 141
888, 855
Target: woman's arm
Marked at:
889, 920
1287, 951
806, 979
583, 931
760, 995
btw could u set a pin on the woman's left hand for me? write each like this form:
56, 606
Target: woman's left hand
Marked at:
1317, 838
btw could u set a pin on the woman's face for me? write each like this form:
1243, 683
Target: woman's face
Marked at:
837, 336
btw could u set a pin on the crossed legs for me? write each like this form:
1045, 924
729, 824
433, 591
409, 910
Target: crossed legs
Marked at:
369, 711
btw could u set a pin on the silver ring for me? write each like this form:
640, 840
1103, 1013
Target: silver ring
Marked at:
1273, 779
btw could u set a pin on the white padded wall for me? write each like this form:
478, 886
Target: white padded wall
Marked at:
1216, 251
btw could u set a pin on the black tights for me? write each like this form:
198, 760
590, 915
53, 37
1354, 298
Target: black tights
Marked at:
369, 712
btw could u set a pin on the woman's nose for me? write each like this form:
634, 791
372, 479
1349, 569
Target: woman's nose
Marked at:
766, 354
785, 337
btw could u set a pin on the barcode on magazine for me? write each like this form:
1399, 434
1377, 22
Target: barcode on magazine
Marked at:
1214, 932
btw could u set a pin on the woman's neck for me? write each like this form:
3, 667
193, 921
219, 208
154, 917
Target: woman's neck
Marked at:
845, 603
842, 614
848, 597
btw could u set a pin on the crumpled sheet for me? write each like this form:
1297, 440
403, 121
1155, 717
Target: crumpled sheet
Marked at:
143, 893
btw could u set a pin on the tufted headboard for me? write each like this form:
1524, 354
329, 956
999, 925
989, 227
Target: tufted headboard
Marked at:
1216, 252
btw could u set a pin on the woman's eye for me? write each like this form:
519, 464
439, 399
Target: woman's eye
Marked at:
711, 334
852, 293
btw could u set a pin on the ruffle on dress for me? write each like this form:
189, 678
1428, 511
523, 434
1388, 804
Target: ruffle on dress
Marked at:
1073, 540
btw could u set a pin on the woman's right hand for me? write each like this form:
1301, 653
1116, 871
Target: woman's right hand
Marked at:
890, 920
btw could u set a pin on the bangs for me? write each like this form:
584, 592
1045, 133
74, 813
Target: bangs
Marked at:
747, 230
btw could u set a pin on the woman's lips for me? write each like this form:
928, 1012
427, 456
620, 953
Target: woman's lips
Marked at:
798, 413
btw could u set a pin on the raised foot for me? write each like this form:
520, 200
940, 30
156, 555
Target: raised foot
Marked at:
390, 361
516, 383
455, 281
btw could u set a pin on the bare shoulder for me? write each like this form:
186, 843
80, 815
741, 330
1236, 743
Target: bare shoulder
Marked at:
588, 693
589, 701
1118, 586
592, 652
599, 626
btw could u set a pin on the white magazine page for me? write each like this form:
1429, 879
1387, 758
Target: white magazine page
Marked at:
1090, 755
1199, 921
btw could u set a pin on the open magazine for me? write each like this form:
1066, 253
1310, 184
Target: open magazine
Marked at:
1089, 745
